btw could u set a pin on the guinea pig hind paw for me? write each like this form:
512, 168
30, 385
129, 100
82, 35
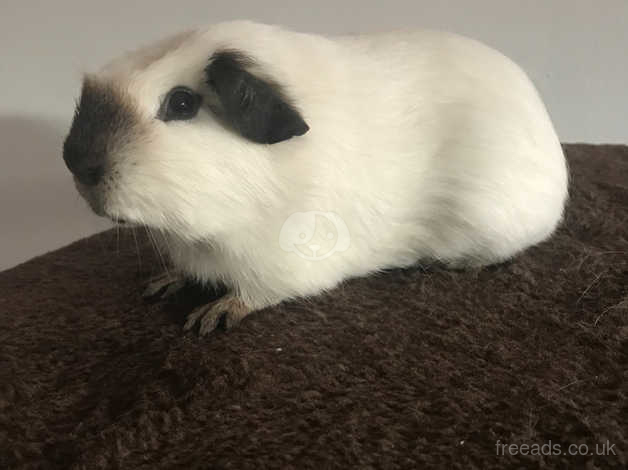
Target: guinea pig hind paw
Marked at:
162, 286
232, 309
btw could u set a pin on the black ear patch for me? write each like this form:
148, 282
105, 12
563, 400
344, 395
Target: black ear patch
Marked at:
256, 108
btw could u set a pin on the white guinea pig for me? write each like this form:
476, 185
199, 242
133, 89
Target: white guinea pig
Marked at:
281, 164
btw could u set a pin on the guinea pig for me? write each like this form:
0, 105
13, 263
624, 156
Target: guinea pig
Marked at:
280, 164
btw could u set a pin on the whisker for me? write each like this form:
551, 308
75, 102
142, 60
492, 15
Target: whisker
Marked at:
156, 246
137, 249
117, 237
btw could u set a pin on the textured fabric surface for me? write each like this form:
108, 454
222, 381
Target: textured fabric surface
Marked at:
417, 368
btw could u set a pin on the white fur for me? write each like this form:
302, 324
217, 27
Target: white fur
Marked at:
427, 145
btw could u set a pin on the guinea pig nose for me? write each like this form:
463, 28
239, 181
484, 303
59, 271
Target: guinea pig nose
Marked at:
87, 167
89, 175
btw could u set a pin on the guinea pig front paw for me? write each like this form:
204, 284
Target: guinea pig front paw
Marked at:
163, 286
231, 308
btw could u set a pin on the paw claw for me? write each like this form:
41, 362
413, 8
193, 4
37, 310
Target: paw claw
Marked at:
193, 318
162, 286
209, 323
229, 307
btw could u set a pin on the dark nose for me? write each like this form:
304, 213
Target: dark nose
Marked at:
87, 167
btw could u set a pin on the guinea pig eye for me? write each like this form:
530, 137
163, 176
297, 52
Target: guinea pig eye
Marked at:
181, 104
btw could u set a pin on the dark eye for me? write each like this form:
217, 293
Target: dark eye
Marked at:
181, 104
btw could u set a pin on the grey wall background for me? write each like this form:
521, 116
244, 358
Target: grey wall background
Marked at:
574, 50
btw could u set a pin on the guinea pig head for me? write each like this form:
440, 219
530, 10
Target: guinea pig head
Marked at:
179, 138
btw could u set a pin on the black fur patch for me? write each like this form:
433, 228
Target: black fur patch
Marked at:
255, 108
101, 118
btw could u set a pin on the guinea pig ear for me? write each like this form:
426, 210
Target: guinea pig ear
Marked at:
255, 108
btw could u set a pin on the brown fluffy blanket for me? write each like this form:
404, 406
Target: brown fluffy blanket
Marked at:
412, 369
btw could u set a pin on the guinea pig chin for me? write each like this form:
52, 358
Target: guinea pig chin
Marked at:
95, 197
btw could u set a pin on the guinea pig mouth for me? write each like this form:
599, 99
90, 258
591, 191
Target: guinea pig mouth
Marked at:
93, 198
